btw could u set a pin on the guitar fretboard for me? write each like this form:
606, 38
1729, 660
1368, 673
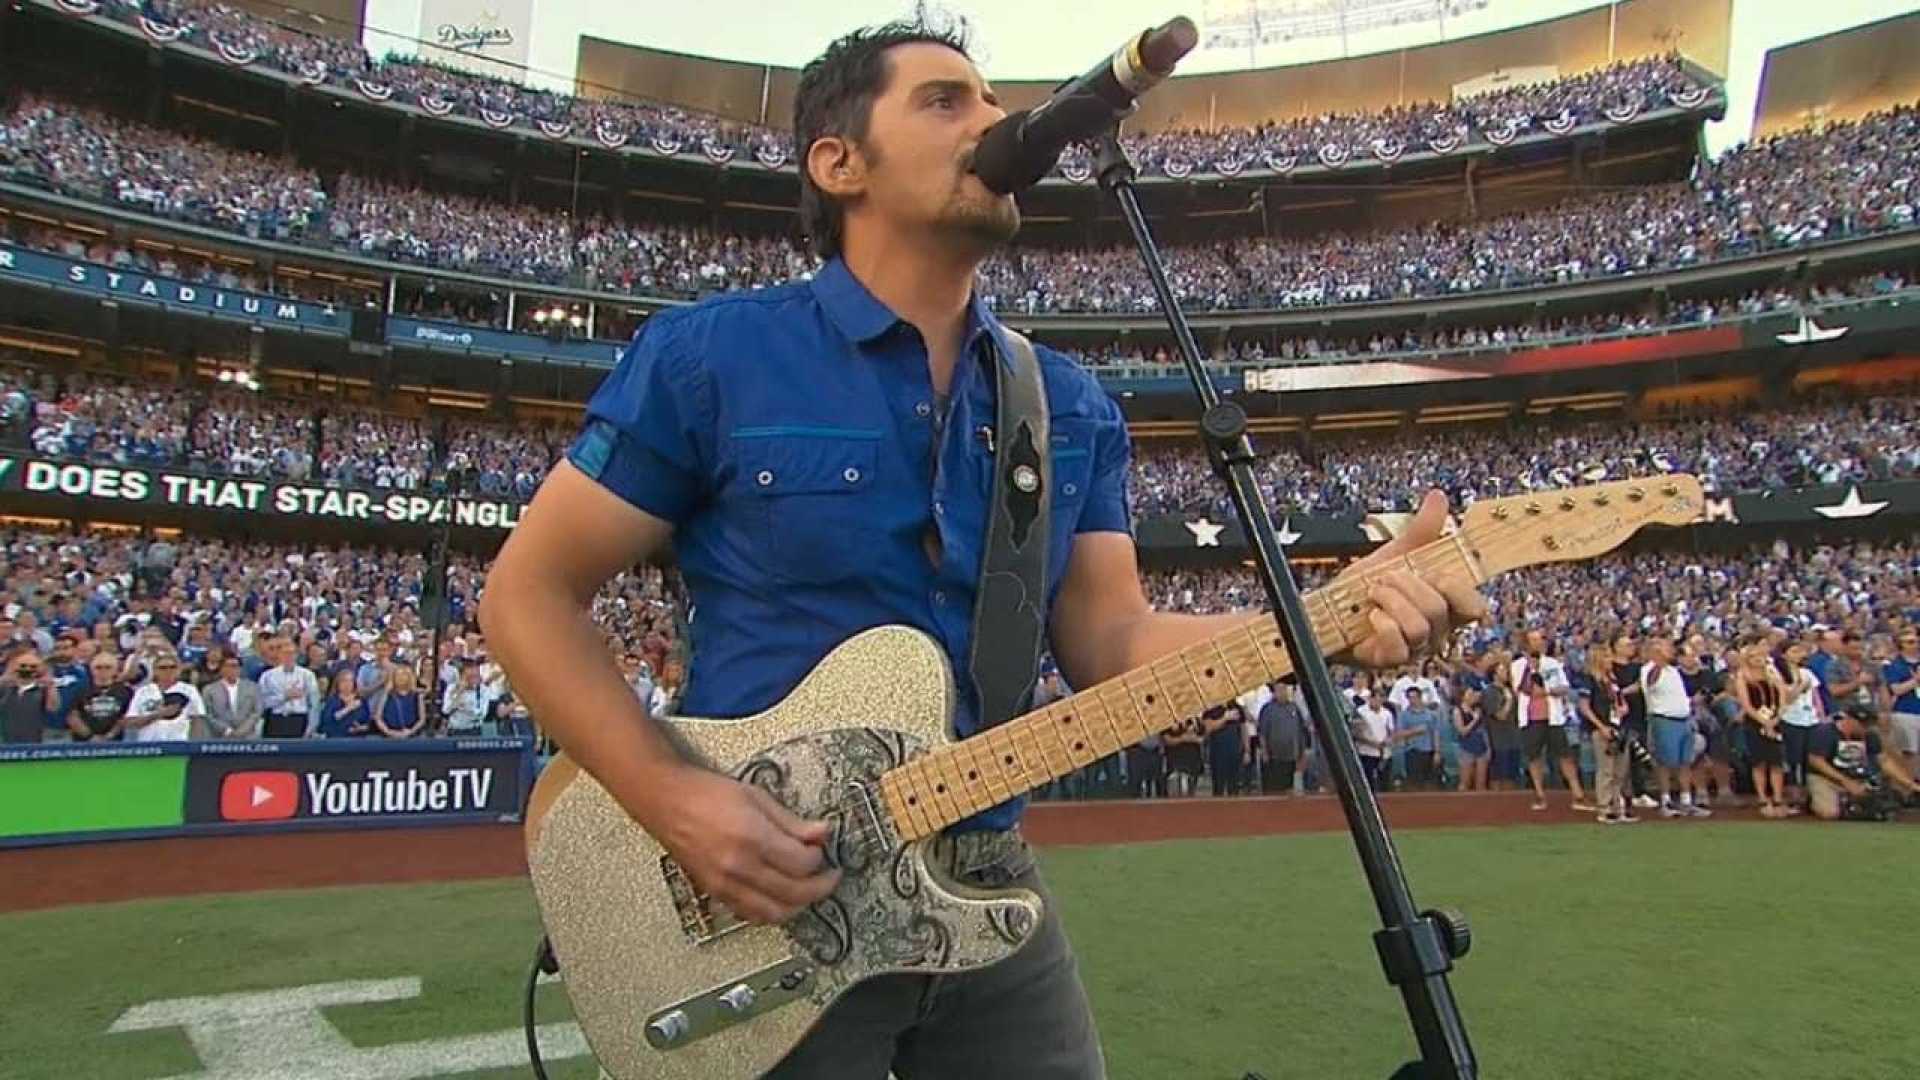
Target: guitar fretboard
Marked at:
959, 780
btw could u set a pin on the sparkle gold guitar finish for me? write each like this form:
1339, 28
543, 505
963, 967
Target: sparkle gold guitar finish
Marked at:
668, 984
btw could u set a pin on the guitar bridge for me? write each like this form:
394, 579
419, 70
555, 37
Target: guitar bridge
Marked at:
701, 919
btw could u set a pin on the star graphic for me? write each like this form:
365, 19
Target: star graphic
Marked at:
1851, 506
1286, 535
1809, 331
1205, 533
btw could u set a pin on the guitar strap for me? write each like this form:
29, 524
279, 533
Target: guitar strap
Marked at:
1009, 612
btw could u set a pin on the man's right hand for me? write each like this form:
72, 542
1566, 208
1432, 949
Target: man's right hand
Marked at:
741, 846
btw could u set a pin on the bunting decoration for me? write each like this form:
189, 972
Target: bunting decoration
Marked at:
610, 135
160, 32
1690, 97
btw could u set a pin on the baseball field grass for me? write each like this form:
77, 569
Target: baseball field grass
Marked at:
1693, 950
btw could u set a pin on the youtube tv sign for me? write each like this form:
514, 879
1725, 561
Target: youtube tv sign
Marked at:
259, 796
348, 783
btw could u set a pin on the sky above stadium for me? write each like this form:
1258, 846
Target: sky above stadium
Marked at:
1025, 39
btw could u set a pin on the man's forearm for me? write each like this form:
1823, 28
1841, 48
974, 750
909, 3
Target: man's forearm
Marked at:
558, 664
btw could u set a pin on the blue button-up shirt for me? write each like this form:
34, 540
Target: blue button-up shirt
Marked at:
789, 435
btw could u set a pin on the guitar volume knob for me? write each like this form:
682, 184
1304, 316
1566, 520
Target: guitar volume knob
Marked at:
738, 999
668, 1028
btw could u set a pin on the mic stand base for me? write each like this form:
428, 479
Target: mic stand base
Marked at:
1416, 949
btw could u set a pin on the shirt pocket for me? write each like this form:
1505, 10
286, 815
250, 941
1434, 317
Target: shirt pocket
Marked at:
811, 491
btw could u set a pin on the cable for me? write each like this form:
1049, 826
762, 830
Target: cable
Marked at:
543, 963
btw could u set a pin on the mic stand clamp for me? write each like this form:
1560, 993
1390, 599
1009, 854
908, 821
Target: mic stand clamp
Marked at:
1416, 949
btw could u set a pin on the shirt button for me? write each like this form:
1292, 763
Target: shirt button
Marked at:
852, 475
939, 508
923, 408
765, 478
1069, 490
939, 596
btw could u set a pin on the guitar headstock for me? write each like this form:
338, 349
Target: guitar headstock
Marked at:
1572, 524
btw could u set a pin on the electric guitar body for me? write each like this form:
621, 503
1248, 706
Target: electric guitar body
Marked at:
650, 966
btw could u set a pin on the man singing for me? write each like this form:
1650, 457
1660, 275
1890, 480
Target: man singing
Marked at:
813, 453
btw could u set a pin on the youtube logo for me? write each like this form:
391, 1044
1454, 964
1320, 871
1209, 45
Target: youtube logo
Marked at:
259, 796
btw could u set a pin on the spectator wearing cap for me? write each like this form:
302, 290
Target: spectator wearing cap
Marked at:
165, 707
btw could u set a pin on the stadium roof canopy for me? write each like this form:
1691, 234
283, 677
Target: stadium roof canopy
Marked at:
1839, 76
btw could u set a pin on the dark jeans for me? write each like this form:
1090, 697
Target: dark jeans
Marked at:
1226, 774
1024, 1018
1146, 773
1276, 777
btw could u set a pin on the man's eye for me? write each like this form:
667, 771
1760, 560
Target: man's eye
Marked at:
943, 101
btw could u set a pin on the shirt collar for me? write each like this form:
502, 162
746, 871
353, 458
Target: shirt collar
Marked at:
861, 316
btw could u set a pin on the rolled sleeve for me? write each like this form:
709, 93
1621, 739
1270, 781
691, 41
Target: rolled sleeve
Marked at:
1106, 509
648, 434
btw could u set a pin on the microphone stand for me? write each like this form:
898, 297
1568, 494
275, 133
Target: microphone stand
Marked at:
1416, 949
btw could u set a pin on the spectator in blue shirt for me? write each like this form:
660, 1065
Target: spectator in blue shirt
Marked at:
1421, 723
1902, 676
401, 715
344, 714
813, 453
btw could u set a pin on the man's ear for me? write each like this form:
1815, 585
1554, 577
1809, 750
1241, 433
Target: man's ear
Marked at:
836, 167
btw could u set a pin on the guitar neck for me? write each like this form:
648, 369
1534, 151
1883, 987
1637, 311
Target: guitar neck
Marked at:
956, 781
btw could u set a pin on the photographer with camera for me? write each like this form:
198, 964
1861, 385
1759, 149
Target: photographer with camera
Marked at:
1851, 774
29, 699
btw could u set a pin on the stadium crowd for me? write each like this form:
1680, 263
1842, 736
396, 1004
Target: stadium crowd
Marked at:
1824, 440
1624, 89
104, 418
310, 640
1788, 190
108, 637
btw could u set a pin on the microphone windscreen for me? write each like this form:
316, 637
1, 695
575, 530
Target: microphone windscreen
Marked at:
1161, 49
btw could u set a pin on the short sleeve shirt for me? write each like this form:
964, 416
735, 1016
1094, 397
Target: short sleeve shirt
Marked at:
791, 437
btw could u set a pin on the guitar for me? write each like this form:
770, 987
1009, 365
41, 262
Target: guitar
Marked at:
668, 984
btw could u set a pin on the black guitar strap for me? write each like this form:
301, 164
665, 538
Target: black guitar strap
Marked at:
1009, 613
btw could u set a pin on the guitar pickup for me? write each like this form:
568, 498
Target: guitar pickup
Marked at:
701, 919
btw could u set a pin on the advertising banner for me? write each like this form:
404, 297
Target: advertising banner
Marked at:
457, 337
27, 265
355, 781
61, 793
484, 36
113, 789
134, 484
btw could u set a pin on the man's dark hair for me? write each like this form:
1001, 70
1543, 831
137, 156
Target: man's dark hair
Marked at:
835, 97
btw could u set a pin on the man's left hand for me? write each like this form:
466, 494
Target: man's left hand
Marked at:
1412, 613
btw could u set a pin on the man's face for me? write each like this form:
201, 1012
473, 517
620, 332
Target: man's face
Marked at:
1623, 649
1536, 643
105, 670
1909, 642
166, 671
912, 169
230, 670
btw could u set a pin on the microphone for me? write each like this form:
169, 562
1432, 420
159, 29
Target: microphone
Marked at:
1016, 152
